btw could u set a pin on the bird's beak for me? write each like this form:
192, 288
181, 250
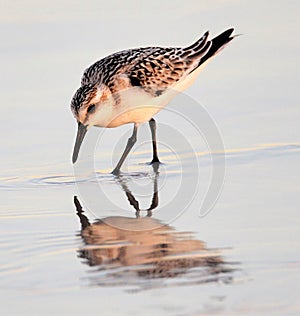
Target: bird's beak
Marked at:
82, 129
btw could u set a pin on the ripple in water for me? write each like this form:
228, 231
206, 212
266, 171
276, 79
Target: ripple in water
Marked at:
144, 253
234, 156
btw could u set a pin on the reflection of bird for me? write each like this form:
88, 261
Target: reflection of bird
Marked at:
143, 247
133, 85
132, 200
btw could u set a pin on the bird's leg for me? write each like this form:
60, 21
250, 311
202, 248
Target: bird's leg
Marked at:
154, 202
130, 197
152, 124
131, 141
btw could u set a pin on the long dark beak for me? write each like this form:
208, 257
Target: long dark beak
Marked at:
82, 129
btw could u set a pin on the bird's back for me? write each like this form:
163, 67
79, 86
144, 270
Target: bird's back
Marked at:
154, 69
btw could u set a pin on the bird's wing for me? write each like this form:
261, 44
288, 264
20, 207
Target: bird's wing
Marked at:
154, 69
161, 68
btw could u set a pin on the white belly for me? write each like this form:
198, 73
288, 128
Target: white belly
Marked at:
137, 106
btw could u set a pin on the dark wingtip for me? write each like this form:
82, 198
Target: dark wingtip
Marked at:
228, 33
218, 43
223, 38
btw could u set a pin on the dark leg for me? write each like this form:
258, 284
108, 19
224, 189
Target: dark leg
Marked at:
130, 143
152, 124
154, 202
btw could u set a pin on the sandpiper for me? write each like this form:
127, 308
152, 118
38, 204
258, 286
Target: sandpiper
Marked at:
132, 85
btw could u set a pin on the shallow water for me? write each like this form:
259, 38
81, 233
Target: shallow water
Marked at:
75, 241
246, 246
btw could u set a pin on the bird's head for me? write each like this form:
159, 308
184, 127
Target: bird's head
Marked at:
86, 105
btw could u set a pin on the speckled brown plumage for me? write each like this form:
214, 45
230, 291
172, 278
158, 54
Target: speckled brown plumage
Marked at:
153, 69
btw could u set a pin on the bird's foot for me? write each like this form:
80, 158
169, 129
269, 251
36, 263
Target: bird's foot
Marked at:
155, 160
116, 172
155, 163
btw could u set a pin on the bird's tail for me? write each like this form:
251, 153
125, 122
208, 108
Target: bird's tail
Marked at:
217, 44
204, 49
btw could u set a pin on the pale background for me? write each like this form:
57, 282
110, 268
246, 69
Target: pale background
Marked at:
250, 90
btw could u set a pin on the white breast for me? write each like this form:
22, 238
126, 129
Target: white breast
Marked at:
137, 106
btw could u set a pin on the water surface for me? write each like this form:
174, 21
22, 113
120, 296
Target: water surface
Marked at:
143, 254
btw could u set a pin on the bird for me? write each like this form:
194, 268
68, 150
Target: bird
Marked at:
131, 86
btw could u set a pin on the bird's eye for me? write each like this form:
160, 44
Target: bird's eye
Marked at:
91, 108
